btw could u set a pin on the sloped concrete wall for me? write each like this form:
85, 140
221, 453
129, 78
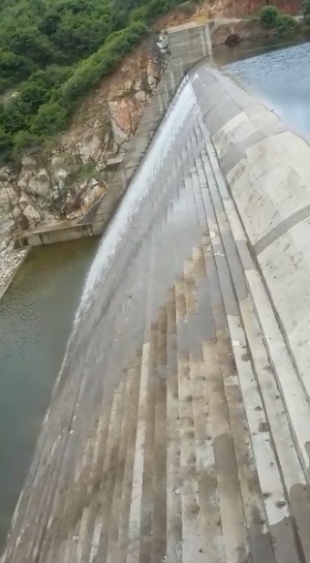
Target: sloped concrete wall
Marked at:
268, 172
187, 45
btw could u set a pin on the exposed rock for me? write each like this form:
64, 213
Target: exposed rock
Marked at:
10, 259
141, 96
152, 74
38, 183
92, 196
16, 212
28, 163
128, 85
59, 183
232, 40
61, 180
32, 215
162, 43
5, 175
8, 198
22, 222
125, 114
92, 146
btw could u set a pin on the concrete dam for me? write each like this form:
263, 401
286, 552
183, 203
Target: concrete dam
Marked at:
179, 425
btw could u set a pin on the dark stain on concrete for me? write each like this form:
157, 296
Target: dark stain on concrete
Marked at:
260, 542
281, 229
263, 427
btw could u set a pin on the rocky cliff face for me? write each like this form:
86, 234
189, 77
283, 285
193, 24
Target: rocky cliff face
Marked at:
66, 179
242, 8
223, 10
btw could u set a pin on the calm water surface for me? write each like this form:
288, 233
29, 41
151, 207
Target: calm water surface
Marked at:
36, 315
279, 78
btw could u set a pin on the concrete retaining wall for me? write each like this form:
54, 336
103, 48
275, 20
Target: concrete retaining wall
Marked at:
268, 172
59, 233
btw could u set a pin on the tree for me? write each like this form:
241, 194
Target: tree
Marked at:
23, 140
13, 68
52, 52
35, 92
286, 24
306, 10
268, 16
50, 118
6, 144
30, 43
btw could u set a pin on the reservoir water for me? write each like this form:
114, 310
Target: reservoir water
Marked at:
37, 312
280, 78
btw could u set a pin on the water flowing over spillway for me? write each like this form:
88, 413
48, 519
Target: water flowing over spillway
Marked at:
171, 436
139, 194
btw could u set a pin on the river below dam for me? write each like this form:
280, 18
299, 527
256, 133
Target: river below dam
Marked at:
36, 315
37, 311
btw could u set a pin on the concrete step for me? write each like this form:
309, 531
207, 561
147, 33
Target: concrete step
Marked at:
240, 497
288, 379
192, 538
273, 410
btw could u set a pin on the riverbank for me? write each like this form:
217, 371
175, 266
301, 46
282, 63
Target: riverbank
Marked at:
234, 31
10, 261
36, 316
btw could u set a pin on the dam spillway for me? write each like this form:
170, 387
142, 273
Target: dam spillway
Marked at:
178, 429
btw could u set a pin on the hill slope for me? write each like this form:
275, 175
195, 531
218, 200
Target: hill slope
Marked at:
53, 52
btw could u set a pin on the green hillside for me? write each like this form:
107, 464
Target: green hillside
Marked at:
53, 52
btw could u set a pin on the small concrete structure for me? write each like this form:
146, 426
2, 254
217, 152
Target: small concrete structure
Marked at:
60, 232
189, 43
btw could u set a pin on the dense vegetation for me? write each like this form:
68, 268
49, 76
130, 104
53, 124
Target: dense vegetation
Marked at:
53, 51
271, 17
306, 10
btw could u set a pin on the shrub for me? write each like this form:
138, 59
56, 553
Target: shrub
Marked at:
14, 116
268, 16
286, 24
13, 69
306, 10
6, 142
53, 52
88, 73
139, 15
24, 139
50, 119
